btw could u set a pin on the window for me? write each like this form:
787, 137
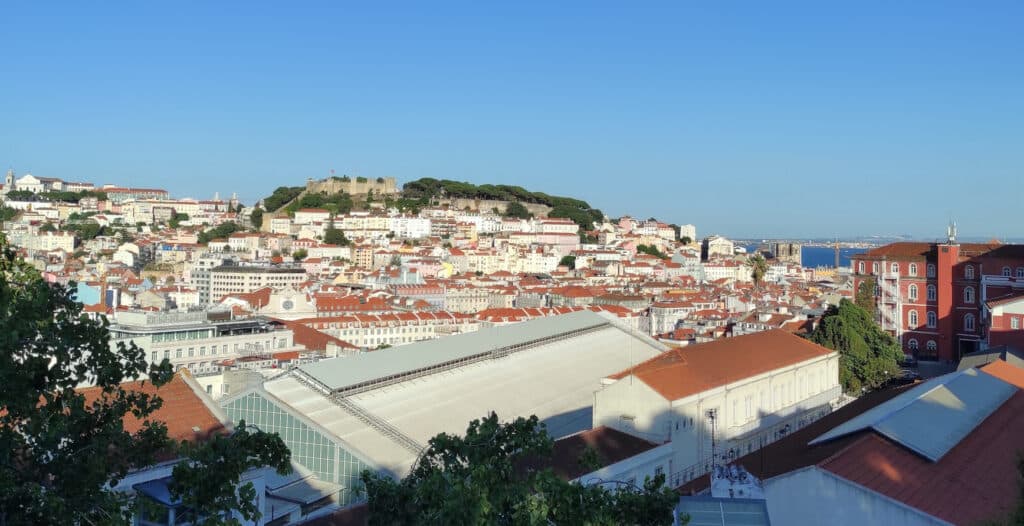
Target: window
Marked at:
932, 319
912, 319
969, 272
1014, 322
1020, 272
912, 345
930, 270
969, 295
912, 292
1006, 272
860, 267
931, 345
659, 471
874, 268
932, 294
913, 269
895, 268
969, 322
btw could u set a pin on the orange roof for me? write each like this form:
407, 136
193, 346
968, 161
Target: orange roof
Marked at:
183, 409
1004, 371
690, 370
976, 481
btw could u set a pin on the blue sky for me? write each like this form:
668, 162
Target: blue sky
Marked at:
744, 118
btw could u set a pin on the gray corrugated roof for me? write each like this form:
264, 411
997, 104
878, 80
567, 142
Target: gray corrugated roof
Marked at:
711, 511
935, 416
342, 372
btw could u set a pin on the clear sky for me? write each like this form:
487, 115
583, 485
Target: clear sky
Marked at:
744, 118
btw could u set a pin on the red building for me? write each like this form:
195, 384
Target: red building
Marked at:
933, 296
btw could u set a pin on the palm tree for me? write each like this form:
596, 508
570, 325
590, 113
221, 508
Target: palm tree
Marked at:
758, 268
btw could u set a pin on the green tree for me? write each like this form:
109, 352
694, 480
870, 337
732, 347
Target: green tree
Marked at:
300, 254
865, 297
176, 220
686, 240
568, 261
7, 213
517, 210
256, 218
758, 266
868, 356
651, 250
222, 230
482, 478
47, 227
335, 236
61, 454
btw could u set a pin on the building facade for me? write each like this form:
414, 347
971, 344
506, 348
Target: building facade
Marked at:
931, 296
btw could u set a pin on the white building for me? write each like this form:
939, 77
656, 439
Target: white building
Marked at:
230, 279
736, 393
377, 410
46, 241
200, 341
307, 216
409, 226
689, 231
716, 246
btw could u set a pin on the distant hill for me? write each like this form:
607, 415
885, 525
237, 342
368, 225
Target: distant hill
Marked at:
509, 200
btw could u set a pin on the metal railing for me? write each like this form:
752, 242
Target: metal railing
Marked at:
380, 425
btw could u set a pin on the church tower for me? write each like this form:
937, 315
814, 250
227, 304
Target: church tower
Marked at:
9, 182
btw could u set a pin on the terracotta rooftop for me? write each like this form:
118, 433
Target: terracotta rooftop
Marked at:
1004, 371
916, 249
183, 410
976, 481
610, 444
690, 370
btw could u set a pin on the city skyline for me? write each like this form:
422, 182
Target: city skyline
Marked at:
797, 121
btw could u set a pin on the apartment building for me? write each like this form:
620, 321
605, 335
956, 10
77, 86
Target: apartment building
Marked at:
232, 279
931, 296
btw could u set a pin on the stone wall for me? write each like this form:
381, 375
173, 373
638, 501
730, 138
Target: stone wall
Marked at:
486, 205
353, 186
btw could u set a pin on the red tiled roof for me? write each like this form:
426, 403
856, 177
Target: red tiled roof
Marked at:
257, 298
690, 370
976, 481
1004, 371
313, 339
610, 444
1003, 300
183, 409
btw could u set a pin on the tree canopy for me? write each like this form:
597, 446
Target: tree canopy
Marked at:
651, 250
222, 230
516, 210
868, 356
568, 261
281, 196
256, 218
337, 203
60, 454
865, 297
484, 478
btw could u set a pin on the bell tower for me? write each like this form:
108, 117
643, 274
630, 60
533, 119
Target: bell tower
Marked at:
9, 181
